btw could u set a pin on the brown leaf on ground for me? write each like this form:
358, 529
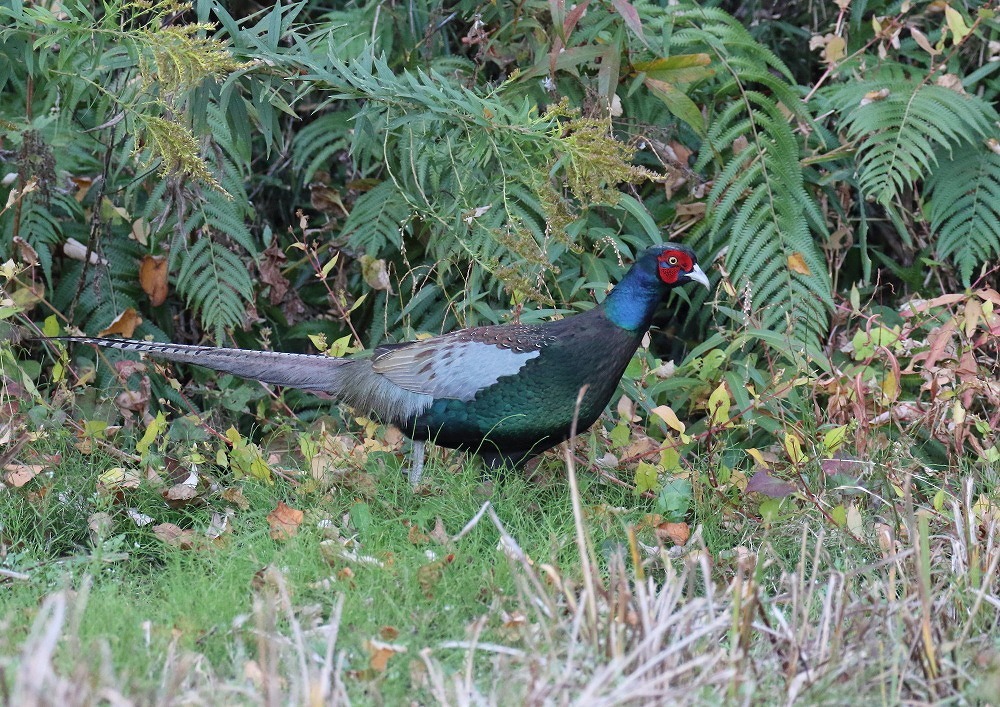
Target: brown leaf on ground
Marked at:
325, 198
153, 278
284, 521
439, 534
640, 446
134, 402
100, 526
416, 536
175, 536
764, 483
126, 367
17, 475
677, 533
180, 495
124, 324
380, 652
176, 471
219, 526
234, 495
430, 574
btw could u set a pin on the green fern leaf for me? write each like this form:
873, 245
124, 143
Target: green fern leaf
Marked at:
216, 284
964, 197
899, 125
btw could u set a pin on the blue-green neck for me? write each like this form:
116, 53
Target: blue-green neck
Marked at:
632, 302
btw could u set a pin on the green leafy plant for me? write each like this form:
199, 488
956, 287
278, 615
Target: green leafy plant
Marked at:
104, 98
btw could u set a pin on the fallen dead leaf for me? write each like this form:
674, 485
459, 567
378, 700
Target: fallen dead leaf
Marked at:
27, 254
100, 525
797, 264
179, 495
174, 535
126, 367
284, 521
219, 525
439, 534
375, 273
762, 482
123, 325
416, 536
153, 278
140, 519
270, 272
118, 479
17, 475
234, 495
677, 533
380, 652
134, 401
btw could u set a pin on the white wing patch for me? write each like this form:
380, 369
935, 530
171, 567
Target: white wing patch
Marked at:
446, 367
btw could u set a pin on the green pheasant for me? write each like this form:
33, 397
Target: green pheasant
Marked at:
505, 392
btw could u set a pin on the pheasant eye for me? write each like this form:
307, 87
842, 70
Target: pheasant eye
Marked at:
672, 260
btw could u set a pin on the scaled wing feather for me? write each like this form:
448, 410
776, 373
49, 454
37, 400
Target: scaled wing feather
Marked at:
450, 366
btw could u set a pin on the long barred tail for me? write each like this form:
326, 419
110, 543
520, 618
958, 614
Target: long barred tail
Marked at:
306, 371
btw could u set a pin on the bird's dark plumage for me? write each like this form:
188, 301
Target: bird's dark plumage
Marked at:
506, 392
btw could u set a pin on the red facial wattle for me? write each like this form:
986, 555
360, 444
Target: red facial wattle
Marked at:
671, 263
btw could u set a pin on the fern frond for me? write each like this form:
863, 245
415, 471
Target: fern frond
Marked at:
964, 197
900, 123
377, 219
216, 284
314, 147
760, 209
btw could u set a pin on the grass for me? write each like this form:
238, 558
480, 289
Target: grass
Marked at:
506, 592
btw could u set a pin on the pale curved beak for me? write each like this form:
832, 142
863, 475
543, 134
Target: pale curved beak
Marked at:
698, 275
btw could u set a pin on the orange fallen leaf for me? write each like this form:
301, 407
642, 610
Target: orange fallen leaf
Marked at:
17, 475
284, 521
678, 533
153, 278
124, 324
416, 536
797, 264
380, 652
